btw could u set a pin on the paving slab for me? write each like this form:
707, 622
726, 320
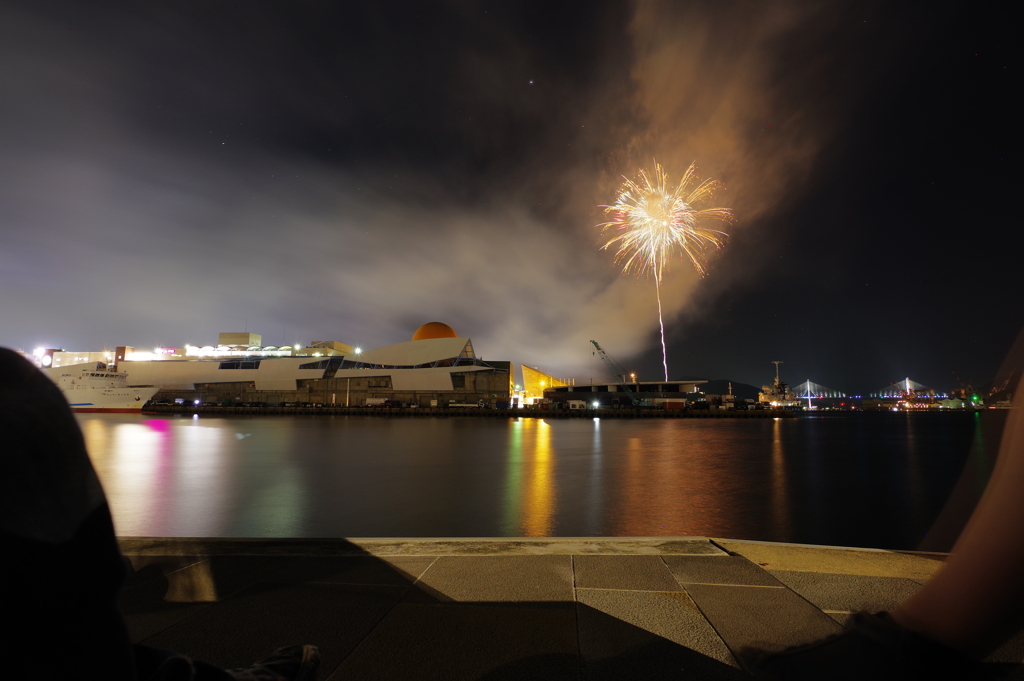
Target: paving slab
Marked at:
146, 613
489, 579
252, 623
848, 593
457, 642
644, 573
670, 615
718, 570
834, 560
649, 636
764, 617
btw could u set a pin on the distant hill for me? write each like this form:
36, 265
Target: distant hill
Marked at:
720, 386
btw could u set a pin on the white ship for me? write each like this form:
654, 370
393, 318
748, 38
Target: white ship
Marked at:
92, 387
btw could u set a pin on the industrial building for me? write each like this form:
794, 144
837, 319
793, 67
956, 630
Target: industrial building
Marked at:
613, 395
535, 382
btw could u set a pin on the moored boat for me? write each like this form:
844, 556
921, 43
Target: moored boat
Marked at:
94, 387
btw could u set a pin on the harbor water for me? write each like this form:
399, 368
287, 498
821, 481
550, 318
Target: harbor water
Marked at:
860, 479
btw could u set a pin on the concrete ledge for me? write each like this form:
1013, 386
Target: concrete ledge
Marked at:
411, 546
836, 560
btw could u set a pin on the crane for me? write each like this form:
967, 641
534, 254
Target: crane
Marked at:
618, 371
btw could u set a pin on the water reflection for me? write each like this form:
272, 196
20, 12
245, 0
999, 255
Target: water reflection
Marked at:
780, 484
512, 502
530, 488
205, 466
856, 481
182, 477
595, 488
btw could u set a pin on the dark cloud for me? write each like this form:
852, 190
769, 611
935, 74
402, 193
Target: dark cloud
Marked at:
312, 171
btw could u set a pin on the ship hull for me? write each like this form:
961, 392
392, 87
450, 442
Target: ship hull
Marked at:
115, 400
106, 410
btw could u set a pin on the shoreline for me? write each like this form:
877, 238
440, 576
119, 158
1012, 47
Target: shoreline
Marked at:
470, 411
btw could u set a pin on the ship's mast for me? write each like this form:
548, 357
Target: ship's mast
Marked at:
777, 363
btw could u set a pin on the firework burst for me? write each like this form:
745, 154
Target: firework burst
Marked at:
655, 222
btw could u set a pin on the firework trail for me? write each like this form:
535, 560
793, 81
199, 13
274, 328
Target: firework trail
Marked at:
655, 221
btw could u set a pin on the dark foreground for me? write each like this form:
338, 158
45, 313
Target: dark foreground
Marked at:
454, 609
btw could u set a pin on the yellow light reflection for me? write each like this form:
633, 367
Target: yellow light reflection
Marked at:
96, 442
529, 506
780, 488
539, 506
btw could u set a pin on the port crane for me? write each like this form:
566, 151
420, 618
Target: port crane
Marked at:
617, 370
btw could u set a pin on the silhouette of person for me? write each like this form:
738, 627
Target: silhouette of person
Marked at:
62, 568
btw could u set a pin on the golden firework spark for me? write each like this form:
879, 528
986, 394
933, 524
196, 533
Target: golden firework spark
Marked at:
655, 221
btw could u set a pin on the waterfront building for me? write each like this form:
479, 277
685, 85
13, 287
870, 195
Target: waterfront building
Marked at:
435, 369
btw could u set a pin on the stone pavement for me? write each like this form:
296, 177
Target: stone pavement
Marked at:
467, 609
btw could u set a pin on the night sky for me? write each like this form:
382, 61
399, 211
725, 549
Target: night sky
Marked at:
348, 171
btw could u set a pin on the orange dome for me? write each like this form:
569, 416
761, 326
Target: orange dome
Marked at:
434, 330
